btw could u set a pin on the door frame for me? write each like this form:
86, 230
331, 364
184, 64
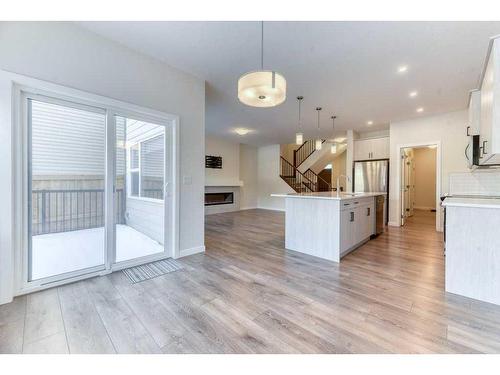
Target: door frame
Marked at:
167, 192
22, 85
399, 202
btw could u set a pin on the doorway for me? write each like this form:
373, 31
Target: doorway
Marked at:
99, 189
418, 182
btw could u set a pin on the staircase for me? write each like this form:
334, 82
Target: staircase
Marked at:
303, 152
319, 183
294, 178
301, 182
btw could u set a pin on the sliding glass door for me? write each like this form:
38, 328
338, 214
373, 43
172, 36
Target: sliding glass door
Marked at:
66, 179
97, 190
140, 163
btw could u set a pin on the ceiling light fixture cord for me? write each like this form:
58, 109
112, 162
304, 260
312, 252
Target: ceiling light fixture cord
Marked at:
299, 98
333, 124
318, 109
262, 45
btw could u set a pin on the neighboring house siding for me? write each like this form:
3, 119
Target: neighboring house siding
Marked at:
67, 141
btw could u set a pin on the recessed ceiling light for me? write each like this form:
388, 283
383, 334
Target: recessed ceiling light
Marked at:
402, 69
369, 123
420, 109
242, 131
413, 94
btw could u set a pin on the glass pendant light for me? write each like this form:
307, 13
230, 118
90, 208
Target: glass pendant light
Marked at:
319, 141
333, 149
262, 88
299, 136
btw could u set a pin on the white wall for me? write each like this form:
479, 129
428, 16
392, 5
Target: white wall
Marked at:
425, 177
339, 168
448, 129
286, 150
68, 55
249, 192
269, 179
349, 158
229, 175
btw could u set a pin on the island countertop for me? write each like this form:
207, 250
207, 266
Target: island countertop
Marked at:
329, 195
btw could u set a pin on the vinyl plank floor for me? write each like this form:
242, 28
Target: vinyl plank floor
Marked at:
84, 328
247, 294
123, 326
43, 316
53, 344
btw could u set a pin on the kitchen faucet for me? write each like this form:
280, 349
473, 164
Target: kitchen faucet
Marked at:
347, 179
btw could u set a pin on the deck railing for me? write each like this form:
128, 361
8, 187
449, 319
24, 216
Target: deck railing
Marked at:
56, 211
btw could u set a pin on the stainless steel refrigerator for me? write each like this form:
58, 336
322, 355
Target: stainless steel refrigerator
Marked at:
372, 176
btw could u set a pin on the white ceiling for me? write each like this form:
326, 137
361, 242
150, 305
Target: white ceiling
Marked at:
348, 68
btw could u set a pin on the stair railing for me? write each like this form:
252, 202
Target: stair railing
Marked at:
294, 178
304, 151
321, 183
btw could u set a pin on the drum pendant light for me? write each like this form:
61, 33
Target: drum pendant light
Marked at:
262, 88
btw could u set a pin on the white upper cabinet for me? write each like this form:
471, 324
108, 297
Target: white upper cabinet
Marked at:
371, 149
474, 112
380, 148
490, 108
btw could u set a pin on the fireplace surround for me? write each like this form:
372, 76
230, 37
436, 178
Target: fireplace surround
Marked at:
220, 199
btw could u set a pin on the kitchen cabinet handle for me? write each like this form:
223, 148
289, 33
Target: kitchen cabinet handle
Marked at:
367, 211
468, 128
352, 216
484, 147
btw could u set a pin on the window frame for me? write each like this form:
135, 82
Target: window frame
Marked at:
138, 169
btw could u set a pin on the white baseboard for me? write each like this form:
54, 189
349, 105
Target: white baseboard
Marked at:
248, 208
272, 209
191, 251
393, 224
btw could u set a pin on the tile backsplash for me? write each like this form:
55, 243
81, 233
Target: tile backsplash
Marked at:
482, 182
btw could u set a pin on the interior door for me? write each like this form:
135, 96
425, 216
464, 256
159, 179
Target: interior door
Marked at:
66, 173
141, 194
403, 190
411, 184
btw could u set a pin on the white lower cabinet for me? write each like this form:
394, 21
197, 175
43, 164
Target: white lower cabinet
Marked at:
356, 223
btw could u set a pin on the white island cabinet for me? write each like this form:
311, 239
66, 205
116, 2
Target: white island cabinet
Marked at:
472, 248
327, 225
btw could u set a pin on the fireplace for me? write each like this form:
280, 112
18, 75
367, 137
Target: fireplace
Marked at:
215, 199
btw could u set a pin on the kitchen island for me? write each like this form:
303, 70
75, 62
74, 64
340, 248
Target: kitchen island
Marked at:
328, 225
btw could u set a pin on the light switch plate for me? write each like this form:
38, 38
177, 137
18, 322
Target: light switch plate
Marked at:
187, 180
